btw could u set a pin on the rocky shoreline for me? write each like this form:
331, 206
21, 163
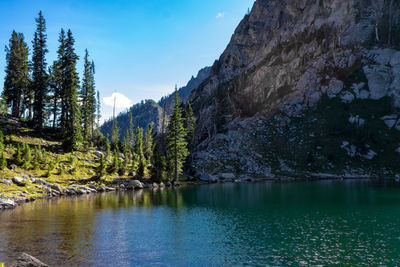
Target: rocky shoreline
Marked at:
55, 190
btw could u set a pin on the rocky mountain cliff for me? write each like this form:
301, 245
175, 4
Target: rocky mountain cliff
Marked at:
149, 111
304, 87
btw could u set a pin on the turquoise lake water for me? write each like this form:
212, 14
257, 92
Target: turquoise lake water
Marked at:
305, 223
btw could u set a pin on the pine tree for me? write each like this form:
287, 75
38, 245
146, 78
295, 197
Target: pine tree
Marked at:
116, 161
27, 157
3, 161
57, 83
1, 141
37, 158
62, 79
176, 140
72, 119
158, 165
102, 168
138, 148
50, 168
18, 155
55, 90
88, 98
190, 121
16, 83
148, 144
98, 104
131, 130
127, 146
39, 74
115, 133
108, 148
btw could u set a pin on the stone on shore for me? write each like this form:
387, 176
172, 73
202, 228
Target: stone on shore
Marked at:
136, 184
25, 260
226, 176
207, 178
6, 181
7, 203
19, 181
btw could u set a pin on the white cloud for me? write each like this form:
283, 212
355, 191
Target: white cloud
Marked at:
121, 101
220, 15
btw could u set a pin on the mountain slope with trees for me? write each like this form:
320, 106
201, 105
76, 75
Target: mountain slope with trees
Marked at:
50, 143
149, 111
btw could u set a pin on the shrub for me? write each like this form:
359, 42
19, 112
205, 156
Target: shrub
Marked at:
3, 161
101, 169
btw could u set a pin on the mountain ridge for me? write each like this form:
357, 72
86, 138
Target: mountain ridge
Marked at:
149, 111
287, 58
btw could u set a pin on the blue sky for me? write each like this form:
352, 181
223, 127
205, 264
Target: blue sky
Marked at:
141, 48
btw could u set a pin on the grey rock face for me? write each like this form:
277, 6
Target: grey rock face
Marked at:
283, 58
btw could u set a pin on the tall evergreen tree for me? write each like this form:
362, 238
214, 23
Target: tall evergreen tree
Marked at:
55, 83
176, 140
190, 121
115, 133
131, 130
148, 144
62, 68
72, 119
158, 165
39, 74
98, 103
16, 82
139, 152
88, 96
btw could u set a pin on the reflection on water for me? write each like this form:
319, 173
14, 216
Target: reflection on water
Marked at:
265, 223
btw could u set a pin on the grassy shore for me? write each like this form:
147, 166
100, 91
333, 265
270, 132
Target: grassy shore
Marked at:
76, 168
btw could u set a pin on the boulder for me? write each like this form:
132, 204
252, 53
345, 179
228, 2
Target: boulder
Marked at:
136, 184
80, 191
19, 181
25, 260
347, 97
335, 87
41, 181
378, 81
155, 185
390, 120
7, 203
98, 154
13, 167
226, 176
55, 187
6, 181
161, 185
207, 178
370, 155
357, 121
397, 127
168, 184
